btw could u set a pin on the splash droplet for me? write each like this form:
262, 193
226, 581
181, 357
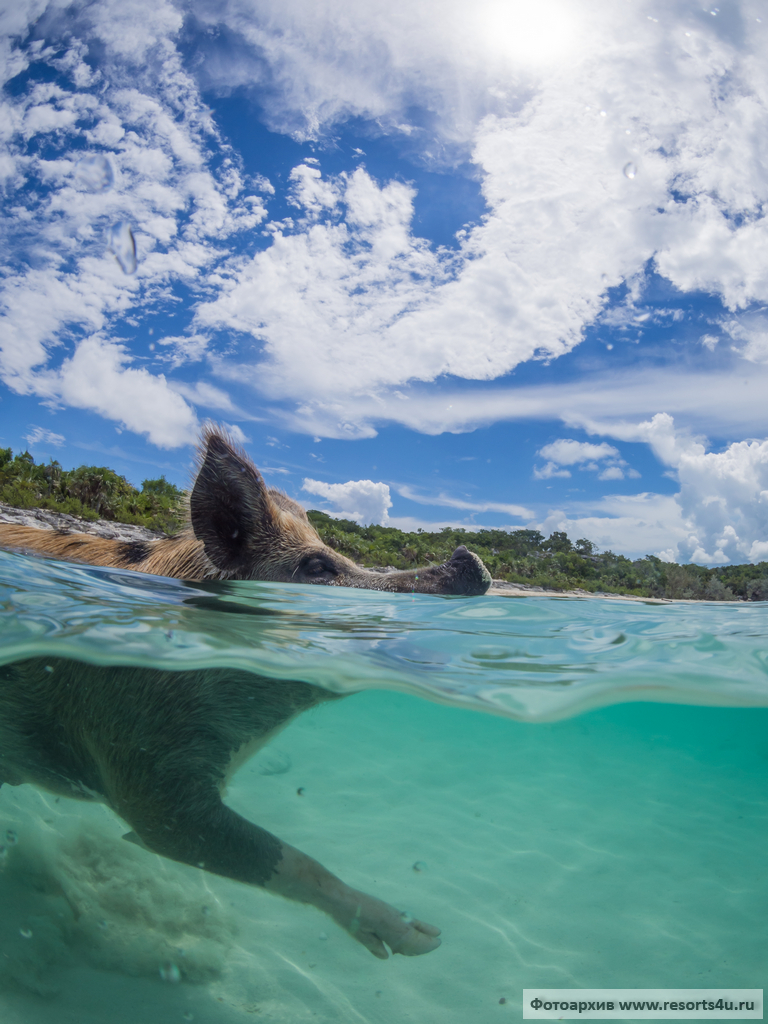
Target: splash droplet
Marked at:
189, 1016
406, 917
11, 838
323, 937
630, 170
123, 245
170, 972
93, 173
25, 933
102, 924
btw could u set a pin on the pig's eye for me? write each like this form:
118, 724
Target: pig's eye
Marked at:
317, 570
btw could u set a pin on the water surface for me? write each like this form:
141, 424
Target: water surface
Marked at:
604, 825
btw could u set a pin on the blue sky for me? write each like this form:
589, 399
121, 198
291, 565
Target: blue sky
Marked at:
488, 264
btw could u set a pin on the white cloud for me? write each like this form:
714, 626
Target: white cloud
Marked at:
39, 435
750, 334
634, 525
183, 349
549, 470
448, 501
567, 452
98, 376
723, 498
237, 434
726, 402
205, 394
363, 501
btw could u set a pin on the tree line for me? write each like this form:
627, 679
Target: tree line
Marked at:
90, 492
517, 556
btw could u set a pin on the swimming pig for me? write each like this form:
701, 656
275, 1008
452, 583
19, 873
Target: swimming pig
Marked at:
241, 529
159, 746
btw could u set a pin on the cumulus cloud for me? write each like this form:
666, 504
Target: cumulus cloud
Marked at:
549, 470
635, 525
568, 452
362, 501
723, 500
98, 377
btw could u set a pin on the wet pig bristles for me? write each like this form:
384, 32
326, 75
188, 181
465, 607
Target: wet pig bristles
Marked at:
241, 529
159, 746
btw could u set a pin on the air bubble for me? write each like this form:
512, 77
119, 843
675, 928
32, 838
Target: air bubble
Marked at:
11, 838
123, 245
170, 972
102, 924
323, 937
94, 173
189, 1016
630, 170
25, 933
419, 866
406, 917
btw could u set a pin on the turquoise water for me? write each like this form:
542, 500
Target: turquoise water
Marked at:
603, 823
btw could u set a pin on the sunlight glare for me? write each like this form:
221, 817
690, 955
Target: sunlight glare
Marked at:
533, 35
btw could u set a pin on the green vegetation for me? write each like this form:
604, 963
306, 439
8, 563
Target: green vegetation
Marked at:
519, 556
91, 492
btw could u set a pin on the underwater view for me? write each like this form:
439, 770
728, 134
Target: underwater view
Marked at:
572, 789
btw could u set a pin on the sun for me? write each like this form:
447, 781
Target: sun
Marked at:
530, 35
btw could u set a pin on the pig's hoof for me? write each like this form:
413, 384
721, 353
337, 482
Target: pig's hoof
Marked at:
375, 923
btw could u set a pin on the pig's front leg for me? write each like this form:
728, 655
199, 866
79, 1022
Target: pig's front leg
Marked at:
370, 921
199, 829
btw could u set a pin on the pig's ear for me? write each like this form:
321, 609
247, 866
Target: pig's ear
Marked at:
230, 508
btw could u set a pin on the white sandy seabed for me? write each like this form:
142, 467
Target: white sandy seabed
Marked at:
623, 848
